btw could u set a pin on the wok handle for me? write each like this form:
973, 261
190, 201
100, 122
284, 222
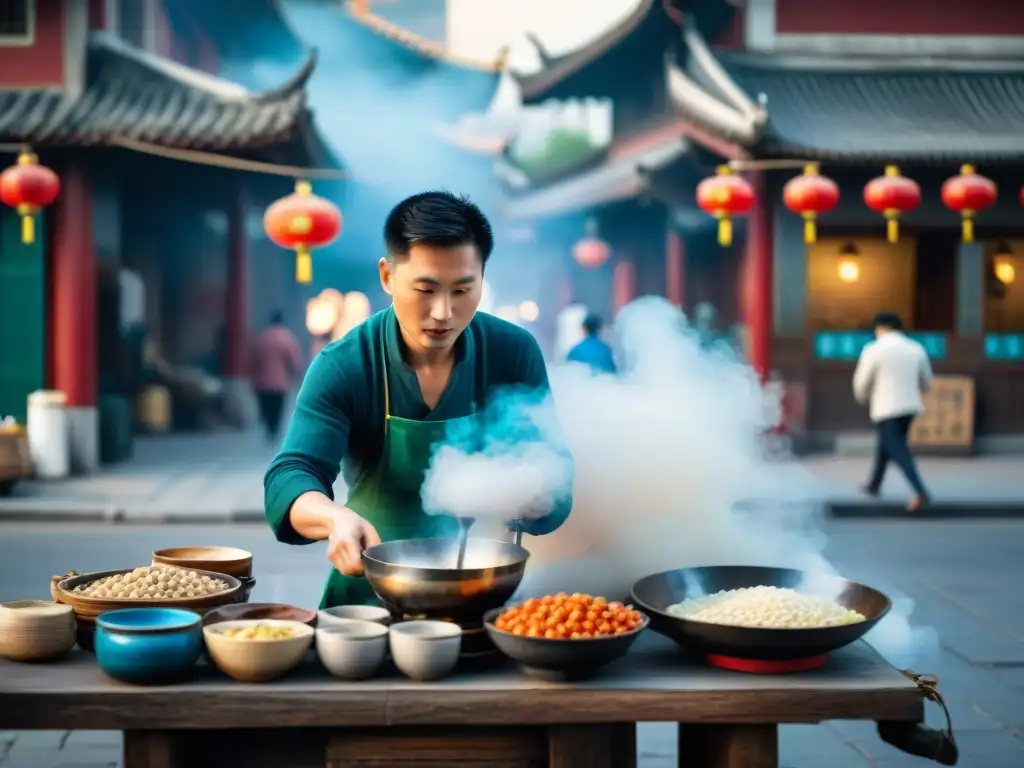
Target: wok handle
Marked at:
921, 741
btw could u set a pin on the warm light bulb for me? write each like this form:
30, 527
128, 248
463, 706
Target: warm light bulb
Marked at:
529, 311
849, 271
1004, 270
321, 316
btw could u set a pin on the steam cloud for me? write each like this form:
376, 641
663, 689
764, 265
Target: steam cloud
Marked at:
666, 455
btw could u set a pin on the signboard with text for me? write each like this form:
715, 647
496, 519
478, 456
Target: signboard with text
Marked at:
947, 424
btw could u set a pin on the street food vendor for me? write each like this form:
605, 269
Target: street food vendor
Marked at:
375, 403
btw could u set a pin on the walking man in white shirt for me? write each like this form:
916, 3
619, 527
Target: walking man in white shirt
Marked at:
892, 373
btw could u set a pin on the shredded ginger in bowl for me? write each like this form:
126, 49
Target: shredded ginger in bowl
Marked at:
766, 608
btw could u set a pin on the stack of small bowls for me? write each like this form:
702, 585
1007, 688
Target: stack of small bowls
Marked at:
36, 630
352, 642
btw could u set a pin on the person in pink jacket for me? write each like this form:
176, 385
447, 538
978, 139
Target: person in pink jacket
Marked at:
276, 368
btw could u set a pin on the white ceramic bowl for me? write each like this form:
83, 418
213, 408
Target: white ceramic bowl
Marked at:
329, 616
352, 650
36, 630
256, 661
425, 650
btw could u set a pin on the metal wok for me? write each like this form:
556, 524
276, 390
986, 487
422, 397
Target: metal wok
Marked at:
418, 577
654, 594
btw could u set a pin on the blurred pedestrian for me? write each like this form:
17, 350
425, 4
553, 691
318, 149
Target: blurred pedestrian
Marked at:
892, 374
593, 351
276, 368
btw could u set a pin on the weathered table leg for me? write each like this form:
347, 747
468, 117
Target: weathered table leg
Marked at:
592, 746
728, 746
150, 749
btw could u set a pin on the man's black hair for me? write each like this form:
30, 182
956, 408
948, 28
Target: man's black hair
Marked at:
440, 219
888, 320
592, 324
277, 317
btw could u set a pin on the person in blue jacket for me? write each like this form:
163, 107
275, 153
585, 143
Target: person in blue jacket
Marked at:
593, 351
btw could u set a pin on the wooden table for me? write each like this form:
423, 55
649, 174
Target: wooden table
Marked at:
484, 719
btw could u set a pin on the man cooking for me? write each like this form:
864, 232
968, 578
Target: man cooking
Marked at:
376, 402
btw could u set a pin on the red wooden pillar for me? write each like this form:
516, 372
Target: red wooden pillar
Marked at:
623, 285
756, 280
236, 299
675, 268
74, 363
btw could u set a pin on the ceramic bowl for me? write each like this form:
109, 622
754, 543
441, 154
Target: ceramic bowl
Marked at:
376, 614
226, 560
36, 630
277, 611
352, 650
425, 650
557, 659
149, 646
255, 661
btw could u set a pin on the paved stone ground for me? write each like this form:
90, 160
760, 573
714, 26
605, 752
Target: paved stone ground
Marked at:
219, 477
965, 579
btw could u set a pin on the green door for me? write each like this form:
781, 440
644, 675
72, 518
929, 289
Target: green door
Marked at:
22, 315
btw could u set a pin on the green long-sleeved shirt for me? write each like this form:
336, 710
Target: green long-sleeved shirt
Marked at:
338, 422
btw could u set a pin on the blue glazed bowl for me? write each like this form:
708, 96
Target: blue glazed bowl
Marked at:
149, 646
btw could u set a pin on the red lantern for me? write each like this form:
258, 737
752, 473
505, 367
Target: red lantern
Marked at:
591, 251
302, 221
27, 187
725, 196
967, 194
810, 195
892, 195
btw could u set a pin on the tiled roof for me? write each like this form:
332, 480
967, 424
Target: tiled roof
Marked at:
907, 113
135, 95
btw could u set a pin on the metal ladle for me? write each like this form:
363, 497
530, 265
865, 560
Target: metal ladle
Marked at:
465, 523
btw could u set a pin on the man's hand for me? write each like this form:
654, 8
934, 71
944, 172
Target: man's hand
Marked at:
349, 536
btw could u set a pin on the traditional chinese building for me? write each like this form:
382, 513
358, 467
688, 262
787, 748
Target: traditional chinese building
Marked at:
138, 140
856, 88
596, 128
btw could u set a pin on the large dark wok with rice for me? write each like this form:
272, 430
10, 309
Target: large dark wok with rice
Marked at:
421, 577
657, 593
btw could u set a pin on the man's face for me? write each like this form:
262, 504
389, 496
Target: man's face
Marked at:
436, 292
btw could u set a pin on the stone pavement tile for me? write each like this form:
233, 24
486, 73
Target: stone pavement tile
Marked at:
814, 746
94, 740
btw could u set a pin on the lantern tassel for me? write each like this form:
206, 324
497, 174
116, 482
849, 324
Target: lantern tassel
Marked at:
968, 228
28, 229
810, 230
303, 266
725, 231
892, 229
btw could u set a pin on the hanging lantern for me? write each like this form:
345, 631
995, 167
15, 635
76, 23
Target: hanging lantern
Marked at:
725, 196
892, 195
591, 251
967, 194
302, 221
27, 187
810, 195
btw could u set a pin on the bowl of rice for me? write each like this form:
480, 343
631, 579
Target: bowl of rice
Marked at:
758, 613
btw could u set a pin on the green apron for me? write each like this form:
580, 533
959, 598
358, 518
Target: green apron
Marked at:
388, 495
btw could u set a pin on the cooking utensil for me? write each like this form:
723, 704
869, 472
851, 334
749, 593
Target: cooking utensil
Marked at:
465, 523
558, 659
414, 577
731, 646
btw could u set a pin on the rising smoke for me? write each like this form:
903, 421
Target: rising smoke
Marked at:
665, 456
